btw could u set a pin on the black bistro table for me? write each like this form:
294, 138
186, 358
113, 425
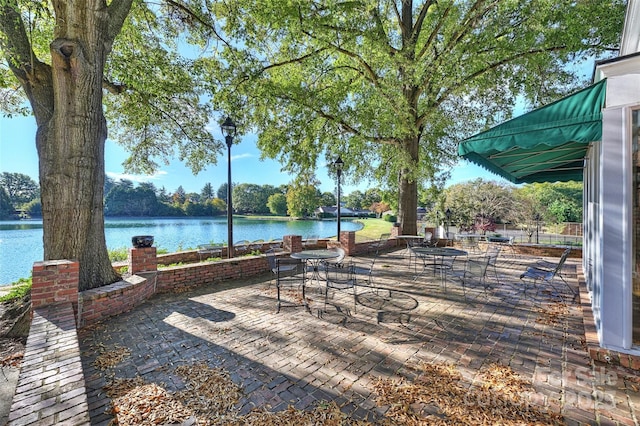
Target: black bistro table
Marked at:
437, 253
314, 257
410, 241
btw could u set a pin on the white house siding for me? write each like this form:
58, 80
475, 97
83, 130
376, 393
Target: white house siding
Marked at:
608, 217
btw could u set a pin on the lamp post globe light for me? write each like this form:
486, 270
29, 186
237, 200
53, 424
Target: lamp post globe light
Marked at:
338, 164
229, 131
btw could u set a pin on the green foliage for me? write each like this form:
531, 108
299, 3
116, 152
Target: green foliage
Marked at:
303, 196
384, 84
222, 192
328, 199
180, 196
207, 192
34, 208
355, 200
118, 254
125, 200
20, 188
252, 198
277, 204
19, 289
218, 206
390, 218
371, 197
6, 207
557, 202
478, 204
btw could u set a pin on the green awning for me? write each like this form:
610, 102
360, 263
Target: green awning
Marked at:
545, 145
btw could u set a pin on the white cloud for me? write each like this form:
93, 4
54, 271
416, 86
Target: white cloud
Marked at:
136, 178
241, 156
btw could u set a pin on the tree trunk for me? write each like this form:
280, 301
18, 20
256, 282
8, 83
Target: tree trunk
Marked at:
71, 146
408, 192
66, 99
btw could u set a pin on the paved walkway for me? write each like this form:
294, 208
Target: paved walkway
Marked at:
301, 358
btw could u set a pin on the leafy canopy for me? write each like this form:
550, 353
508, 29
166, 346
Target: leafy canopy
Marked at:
157, 101
392, 86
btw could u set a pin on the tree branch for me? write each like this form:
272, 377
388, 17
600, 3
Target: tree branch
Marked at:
443, 96
113, 88
199, 19
417, 27
118, 11
34, 76
294, 60
339, 122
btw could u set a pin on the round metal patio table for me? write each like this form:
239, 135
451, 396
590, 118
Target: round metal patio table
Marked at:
314, 257
437, 252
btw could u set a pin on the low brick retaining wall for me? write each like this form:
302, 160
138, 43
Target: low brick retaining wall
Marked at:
51, 388
197, 274
100, 303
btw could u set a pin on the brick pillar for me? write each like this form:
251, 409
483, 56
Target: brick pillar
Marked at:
54, 282
348, 242
396, 230
292, 243
142, 260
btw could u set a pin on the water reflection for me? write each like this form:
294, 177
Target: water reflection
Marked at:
21, 241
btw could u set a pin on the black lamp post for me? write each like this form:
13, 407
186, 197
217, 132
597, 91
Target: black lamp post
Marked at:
537, 219
338, 164
447, 213
229, 131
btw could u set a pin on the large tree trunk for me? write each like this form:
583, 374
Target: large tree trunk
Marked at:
408, 192
66, 99
71, 146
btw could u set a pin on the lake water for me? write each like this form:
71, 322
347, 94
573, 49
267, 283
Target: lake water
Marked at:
21, 241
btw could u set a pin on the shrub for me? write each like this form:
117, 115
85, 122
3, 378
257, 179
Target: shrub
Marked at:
19, 289
118, 254
390, 218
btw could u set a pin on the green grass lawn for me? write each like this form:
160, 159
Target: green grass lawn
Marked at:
372, 229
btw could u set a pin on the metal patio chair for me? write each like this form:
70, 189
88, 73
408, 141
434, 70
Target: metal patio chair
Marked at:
287, 272
205, 251
493, 252
241, 246
475, 271
535, 274
381, 243
256, 245
311, 241
340, 278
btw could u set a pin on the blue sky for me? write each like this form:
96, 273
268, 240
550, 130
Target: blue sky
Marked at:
18, 155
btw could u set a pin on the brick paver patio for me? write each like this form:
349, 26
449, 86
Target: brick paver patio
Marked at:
299, 358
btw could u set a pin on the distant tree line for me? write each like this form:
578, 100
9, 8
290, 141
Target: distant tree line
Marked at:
20, 197
479, 205
474, 205
296, 199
